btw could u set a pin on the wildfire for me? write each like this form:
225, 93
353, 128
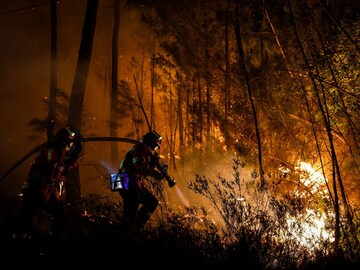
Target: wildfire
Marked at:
312, 178
309, 228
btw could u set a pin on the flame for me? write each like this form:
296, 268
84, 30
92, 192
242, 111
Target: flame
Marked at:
311, 231
310, 228
312, 178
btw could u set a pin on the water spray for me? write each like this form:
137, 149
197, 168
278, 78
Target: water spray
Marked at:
181, 196
109, 169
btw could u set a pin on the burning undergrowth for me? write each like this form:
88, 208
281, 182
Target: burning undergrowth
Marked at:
241, 225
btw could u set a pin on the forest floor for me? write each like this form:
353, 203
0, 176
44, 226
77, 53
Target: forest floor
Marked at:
102, 244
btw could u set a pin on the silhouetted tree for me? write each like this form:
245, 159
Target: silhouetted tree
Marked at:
114, 153
72, 182
53, 79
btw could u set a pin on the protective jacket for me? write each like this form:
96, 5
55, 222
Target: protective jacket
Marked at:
44, 188
137, 164
46, 171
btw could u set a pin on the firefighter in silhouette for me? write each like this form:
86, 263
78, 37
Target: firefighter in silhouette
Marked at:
43, 190
140, 162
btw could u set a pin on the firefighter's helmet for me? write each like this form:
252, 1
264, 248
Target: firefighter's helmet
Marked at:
152, 139
65, 137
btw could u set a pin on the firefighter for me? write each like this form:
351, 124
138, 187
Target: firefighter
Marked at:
140, 162
43, 189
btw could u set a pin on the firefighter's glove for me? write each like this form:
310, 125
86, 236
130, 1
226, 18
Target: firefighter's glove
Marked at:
71, 161
78, 145
25, 188
171, 182
154, 159
157, 175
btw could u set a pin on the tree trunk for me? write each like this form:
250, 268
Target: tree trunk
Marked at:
227, 81
53, 79
199, 113
114, 153
248, 86
335, 167
181, 121
72, 182
152, 74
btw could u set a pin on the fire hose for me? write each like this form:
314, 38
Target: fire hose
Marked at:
89, 139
